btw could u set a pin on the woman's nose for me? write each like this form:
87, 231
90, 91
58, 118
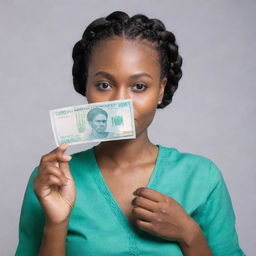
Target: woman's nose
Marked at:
121, 93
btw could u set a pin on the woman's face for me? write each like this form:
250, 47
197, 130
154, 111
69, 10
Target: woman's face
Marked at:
115, 73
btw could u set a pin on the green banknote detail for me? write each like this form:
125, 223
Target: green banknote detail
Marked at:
117, 120
80, 120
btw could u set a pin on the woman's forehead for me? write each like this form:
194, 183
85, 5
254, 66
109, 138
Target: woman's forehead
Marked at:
119, 53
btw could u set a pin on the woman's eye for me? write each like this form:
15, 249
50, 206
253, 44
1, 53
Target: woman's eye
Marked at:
103, 86
140, 87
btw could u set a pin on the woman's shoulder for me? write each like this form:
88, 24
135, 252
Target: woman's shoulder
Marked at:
176, 154
190, 162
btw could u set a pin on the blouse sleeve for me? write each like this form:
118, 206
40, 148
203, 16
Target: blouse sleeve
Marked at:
217, 218
31, 222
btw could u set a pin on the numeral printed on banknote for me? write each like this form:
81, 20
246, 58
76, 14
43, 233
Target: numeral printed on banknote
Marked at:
101, 121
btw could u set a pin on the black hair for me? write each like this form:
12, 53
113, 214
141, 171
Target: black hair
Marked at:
118, 23
94, 112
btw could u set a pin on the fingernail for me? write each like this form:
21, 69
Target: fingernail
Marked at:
138, 190
67, 157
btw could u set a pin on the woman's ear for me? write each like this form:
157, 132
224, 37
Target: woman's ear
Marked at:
162, 87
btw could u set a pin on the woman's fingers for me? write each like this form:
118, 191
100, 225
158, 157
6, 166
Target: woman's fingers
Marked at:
43, 185
53, 180
145, 203
50, 168
64, 167
48, 176
56, 155
54, 167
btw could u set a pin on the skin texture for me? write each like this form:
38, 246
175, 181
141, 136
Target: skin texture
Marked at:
125, 164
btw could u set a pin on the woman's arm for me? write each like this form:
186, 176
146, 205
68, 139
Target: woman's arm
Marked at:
46, 208
216, 217
54, 240
55, 189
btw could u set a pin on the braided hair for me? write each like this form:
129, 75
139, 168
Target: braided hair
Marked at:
118, 23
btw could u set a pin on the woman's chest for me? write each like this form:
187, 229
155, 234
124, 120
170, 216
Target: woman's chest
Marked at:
102, 218
122, 187
99, 227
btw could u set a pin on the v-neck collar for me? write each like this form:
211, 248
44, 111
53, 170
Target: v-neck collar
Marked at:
103, 187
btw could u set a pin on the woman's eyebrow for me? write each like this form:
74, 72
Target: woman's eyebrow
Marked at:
111, 77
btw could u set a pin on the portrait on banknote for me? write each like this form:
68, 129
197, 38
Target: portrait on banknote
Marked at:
97, 118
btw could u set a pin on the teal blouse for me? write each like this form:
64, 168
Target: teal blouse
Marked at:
98, 226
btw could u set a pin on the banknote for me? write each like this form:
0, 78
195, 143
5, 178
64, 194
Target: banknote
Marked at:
101, 121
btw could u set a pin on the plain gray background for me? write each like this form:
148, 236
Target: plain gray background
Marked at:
212, 113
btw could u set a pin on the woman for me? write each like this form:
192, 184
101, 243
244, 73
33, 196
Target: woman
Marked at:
127, 197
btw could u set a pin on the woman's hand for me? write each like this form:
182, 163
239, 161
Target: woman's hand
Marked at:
162, 216
54, 186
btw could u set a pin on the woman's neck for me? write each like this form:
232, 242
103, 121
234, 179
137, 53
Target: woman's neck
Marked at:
126, 152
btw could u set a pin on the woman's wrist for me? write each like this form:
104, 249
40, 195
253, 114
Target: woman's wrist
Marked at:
194, 243
56, 227
191, 233
60, 225
54, 239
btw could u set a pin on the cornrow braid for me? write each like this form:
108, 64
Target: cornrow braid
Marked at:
118, 23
